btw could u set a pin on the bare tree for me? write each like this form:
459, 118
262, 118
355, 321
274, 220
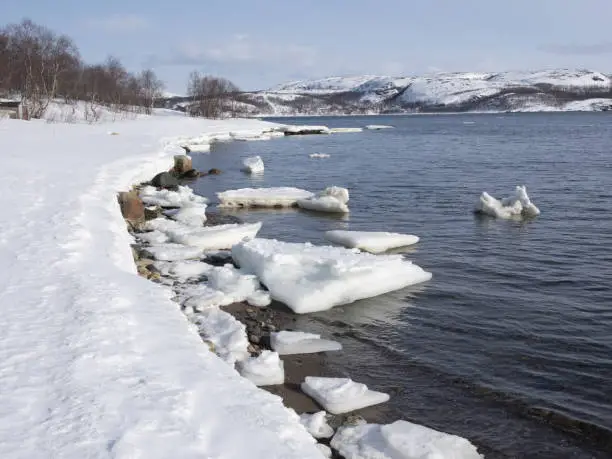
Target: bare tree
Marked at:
212, 97
151, 88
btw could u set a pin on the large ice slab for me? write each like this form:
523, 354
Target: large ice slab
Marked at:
400, 440
517, 206
341, 395
262, 197
167, 198
370, 241
264, 370
214, 237
331, 199
317, 425
253, 165
296, 342
310, 278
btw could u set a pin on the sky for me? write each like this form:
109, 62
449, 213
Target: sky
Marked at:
261, 43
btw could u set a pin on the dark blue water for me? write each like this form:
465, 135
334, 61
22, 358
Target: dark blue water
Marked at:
510, 343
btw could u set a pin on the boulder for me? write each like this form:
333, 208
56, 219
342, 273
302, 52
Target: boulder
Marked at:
190, 174
165, 180
182, 164
132, 207
214, 171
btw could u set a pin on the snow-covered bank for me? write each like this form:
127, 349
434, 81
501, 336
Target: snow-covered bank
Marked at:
94, 360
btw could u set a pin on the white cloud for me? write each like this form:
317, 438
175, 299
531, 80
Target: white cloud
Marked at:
120, 23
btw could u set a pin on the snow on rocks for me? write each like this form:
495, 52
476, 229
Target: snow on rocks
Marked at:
262, 197
371, 241
317, 425
332, 199
266, 369
310, 278
378, 127
341, 395
168, 198
253, 165
517, 206
400, 440
318, 155
295, 342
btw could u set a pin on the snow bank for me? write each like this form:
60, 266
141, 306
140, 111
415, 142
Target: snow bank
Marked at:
101, 362
319, 155
253, 165
264, 370
370, 241
377, 127
517, 206
262, 197
295, 342
400, 440
310, 278
341, 395
317, 425
166, 198
332, 199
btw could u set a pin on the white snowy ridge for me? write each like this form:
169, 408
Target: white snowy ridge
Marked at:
101, 361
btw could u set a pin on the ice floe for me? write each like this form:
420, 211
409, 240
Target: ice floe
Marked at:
310, 278
264, 370
191, 214
319, 155
317, 425
167, 198
253, 165
378, 127
262, 197
345, 130
172, 252
517, 206
400, 440
332, 199
341, 395
370, 241
296, 342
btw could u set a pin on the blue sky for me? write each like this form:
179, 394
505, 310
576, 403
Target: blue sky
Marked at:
260, 43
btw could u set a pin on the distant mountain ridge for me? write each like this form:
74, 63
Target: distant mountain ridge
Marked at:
547, 90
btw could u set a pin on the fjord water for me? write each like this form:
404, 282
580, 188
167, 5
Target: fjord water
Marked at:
510, 343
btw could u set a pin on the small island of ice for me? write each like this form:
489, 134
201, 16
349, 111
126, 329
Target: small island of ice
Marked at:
331, 199
319, 155
295, 342
341, 395
262, 197
513, 207
371, 241
253, 165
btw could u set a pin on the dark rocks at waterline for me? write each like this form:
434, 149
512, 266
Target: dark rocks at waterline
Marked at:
213, 171
151, 213
132, 207
165, 180
182, 165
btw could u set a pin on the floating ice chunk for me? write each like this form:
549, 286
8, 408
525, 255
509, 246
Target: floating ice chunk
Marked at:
227, 334
310, 278
331, 199
192, 214
214, 237
295, 342
325, 450
153, 237
167, 198
400, 440
345, 130
253, 165
317, 425
319, 155
370, 241
172, 252
262, 197
341, 395
301, 130
264, 370
517, 206
377, 127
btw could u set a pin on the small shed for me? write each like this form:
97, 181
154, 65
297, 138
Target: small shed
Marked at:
12, 109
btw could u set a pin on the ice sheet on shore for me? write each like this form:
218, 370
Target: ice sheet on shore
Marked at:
310, 278
266, 369
253, 165
167, 198
226, 333
341, 395
331, 199
517, 206
296, 342
371, 241
378, 127
400, 440
262, 197
317, 425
